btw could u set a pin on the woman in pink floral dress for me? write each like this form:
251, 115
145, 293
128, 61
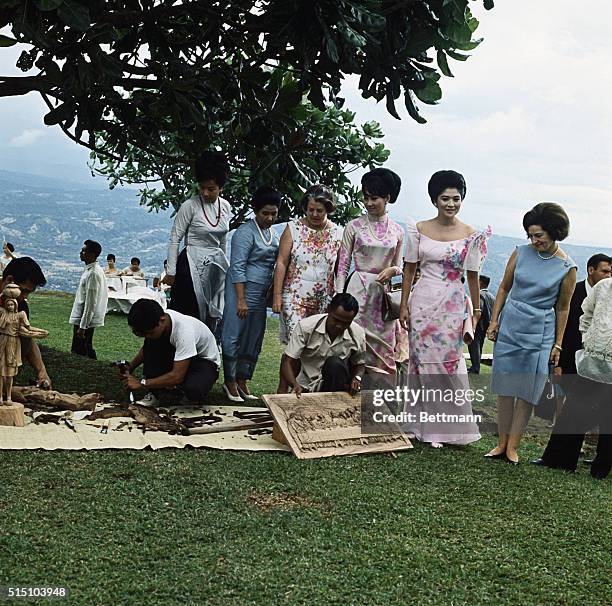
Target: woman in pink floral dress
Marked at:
374, 243
441, 316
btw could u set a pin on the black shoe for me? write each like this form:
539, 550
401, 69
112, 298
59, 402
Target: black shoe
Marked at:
499, 455
598, 473
539, 462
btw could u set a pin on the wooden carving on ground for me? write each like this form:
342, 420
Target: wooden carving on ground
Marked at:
328, 424
56, 399
14, 324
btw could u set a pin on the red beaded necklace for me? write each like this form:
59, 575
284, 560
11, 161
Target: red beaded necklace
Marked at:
204, 211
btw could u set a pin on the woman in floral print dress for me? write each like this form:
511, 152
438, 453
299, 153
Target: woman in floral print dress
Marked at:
307, 257
374, 243
304, 275
440, 315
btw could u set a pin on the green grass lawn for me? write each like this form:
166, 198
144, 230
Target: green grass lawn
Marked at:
210, 527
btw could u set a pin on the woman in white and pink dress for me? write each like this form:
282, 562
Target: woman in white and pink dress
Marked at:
374, 242
439, 314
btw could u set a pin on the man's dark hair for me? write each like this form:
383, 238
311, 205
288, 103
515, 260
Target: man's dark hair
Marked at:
144, 315
111, 257
485, 280
93, 247
212, 165
135, 261
10, 246
24, 269
595, 260
551, 217
346, 301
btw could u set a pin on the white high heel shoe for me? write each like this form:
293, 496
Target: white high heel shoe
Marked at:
246, 396
229, 396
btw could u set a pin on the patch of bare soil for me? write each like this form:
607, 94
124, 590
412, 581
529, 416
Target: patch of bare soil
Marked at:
280, 500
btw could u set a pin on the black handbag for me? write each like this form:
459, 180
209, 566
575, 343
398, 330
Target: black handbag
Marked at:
392, 297
547, 404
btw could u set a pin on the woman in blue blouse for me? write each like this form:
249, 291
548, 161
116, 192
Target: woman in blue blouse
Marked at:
253, 254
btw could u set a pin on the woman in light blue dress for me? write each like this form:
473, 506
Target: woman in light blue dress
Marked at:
254, 250
533, 300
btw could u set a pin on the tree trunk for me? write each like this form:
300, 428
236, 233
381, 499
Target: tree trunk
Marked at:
11, 415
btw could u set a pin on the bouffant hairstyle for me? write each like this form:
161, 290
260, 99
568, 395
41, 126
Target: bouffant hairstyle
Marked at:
319, 193
382, 182
212, 165
444, 179
550, 217
265, 195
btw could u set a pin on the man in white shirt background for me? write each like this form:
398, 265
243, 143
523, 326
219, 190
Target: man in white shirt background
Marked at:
178, 350
89, 307
589, 392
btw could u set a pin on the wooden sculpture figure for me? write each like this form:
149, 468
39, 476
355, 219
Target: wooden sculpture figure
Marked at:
13, 325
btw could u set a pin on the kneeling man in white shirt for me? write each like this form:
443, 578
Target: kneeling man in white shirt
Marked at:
178, 350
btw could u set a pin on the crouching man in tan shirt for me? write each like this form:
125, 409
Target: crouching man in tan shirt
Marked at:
326, 352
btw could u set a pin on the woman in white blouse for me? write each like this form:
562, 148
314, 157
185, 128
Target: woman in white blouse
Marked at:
197, 274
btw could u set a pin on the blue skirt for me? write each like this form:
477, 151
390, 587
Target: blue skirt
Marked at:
241, 340
522, 351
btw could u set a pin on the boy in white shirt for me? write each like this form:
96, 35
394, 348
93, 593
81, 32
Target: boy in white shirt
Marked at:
90, 301
177, 350
133, 269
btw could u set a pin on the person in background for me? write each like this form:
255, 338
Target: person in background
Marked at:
8, 254
487, 300
374, 243
159, 284
111, 268
307, 257
134, 269
589, 392
26, 273
178, 350
534, 295
326, 352
598, 268
438, 313
197, 274
90, 301
254, 251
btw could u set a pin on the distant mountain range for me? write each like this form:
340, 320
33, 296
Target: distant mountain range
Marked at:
49, 219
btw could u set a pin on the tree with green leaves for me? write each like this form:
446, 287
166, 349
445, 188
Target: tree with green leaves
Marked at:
147, 85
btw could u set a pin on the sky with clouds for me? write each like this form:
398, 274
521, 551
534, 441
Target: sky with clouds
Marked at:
526, 119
